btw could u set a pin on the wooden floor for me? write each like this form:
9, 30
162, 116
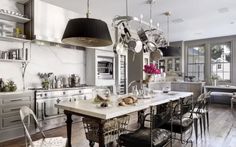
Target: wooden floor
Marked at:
222, 132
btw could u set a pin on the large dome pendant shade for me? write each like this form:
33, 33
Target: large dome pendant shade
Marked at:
87, 32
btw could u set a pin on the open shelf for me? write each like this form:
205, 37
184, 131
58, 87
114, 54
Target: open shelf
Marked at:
14, 39
14, 18
14, 61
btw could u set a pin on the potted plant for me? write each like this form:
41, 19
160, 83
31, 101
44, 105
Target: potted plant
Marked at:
45, 79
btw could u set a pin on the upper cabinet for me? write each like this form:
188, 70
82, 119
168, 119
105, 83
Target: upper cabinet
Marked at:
48, 21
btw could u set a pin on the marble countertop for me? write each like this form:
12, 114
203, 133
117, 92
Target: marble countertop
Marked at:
89, 108
221, 86
187, 82
15, 92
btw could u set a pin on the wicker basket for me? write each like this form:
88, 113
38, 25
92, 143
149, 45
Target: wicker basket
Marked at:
112, 128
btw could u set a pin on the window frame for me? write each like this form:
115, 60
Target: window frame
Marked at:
204, 63
231, 59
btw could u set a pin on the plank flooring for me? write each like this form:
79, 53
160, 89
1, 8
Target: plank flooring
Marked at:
222, 131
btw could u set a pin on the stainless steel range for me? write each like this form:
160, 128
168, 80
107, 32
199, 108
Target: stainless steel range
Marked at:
46, 112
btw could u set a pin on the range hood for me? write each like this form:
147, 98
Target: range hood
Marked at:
48, 21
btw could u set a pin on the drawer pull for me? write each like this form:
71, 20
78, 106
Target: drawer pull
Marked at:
16, 109
16, 100
15, 121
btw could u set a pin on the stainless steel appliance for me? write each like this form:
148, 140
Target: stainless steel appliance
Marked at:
105, 67
50, 116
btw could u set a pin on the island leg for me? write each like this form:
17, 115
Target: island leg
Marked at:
69, 125
100, 133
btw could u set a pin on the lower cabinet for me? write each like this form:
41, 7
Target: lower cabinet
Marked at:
195, 87
10, 121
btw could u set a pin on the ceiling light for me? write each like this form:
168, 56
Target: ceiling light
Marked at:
198, 33
223, 10
178, 20
87, 32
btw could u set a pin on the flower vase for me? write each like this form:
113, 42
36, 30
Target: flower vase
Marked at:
215, 82
149, 78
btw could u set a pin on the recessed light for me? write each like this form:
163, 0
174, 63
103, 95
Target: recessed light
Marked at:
223, 10
232, 22
198, 33
178, 20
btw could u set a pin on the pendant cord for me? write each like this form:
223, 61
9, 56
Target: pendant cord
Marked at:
127, 8
87, 14
151, 14
168, 29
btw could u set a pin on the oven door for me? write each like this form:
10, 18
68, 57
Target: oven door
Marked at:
63, 99
49, 109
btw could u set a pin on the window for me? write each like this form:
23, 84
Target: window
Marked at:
221, 60
196, 62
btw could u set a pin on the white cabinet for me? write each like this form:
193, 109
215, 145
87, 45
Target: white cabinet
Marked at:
10, 122
159, 85
195, 87
170, 64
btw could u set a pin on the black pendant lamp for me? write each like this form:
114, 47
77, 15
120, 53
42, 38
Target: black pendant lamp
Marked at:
169, 50
87, 32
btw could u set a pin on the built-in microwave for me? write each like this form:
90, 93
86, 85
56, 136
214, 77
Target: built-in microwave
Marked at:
105, 67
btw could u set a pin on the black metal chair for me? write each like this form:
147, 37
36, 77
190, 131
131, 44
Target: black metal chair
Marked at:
182, 120
152, 135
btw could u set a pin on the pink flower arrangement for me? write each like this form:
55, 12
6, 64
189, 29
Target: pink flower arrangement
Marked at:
151, 69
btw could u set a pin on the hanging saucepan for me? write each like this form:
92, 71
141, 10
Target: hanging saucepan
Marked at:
156, 55
134, 45
151, 45
116, 40
118, 47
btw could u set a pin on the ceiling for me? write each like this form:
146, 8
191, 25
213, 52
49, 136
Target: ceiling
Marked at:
201, 18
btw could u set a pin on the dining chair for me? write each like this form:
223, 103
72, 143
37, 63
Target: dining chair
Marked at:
150, 135
233, 100
181, 122
201, 110
25, 114
111, 130
204, 110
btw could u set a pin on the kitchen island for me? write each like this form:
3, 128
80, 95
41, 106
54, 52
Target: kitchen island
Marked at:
88, 108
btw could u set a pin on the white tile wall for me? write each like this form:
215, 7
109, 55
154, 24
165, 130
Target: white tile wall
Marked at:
60, 61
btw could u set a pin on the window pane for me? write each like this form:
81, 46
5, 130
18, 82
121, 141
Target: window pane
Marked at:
221, 60
196, 61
